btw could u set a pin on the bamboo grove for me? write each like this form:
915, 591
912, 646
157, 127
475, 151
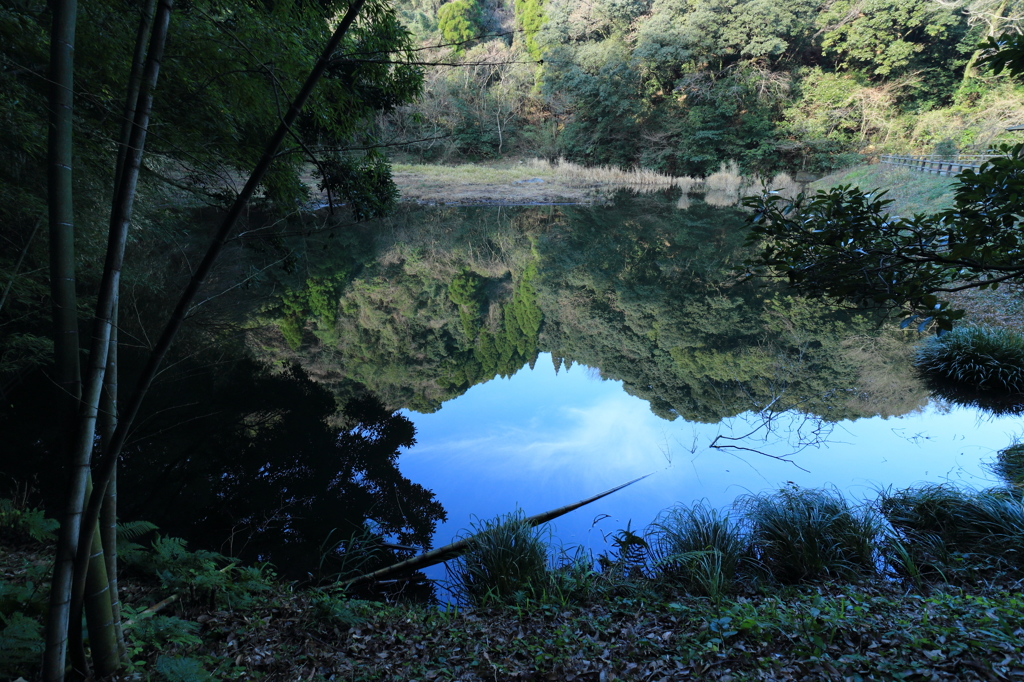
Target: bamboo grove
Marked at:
205, 97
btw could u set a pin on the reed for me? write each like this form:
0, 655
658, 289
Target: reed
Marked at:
586, 176
800, 534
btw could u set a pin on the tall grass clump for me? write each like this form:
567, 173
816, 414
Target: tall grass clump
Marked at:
987, 522
799, 534
507, 561
1009, 465
698, 547
987, 358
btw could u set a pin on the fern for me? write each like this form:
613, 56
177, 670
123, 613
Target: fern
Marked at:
21, 645
182, 669
133, 530
26, 522
162, 632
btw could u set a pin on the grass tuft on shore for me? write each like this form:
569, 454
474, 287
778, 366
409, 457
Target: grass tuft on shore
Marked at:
507, 561
801, 534
985, 358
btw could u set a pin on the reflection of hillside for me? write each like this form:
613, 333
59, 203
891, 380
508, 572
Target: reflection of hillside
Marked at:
657, 307
641, 289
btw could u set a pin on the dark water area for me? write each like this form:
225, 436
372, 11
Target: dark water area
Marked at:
379, 387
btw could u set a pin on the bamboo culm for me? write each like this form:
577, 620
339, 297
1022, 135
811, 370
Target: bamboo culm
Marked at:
65, 318
75, 548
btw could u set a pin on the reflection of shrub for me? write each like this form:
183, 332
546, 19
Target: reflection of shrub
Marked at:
507, 559
699, 547
802, 534
987, 358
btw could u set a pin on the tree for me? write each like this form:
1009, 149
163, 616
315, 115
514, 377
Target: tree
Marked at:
843, 245
459, 22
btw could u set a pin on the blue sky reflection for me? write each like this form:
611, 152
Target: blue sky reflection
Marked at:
538, 441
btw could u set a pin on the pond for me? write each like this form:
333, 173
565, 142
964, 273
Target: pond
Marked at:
347, 386
546, 354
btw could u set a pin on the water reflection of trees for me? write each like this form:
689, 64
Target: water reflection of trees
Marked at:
640, 289
266, 467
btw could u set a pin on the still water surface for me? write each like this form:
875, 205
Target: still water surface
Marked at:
561, 438
546, 354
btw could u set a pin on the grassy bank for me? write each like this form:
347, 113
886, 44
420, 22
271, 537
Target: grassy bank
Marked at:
911, 191
923, 585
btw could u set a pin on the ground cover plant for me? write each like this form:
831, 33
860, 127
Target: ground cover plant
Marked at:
195, 615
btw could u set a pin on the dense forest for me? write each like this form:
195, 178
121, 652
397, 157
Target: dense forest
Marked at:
681, 86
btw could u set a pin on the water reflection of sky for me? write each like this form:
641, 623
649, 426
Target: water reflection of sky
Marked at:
538, 441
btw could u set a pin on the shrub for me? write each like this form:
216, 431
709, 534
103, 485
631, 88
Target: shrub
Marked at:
699, 547
799, 534
507, 561
987, 358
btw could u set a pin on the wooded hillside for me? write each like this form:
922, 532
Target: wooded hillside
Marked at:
680, 86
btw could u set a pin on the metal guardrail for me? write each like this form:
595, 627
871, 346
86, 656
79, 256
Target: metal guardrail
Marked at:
934, 163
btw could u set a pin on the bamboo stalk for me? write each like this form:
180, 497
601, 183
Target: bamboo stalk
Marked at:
65, 318
108, 515
453, 550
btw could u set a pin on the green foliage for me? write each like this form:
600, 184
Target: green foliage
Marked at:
339, 611
365, 183
317, 298
842, 244
800, 534
885, 36
459, 22
133, 530
699, 547
530, 17
163, 633
466, 291
20, 523
201, 575
984, 358
1006, 54
219, 101
507, 561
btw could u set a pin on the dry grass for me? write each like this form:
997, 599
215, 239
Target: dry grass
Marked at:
543, 181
